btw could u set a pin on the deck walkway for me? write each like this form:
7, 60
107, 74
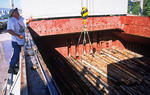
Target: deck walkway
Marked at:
5, 56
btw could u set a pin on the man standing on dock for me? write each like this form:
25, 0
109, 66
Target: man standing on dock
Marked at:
16, 28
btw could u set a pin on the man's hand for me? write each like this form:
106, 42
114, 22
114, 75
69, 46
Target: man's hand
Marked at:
15, 34
29, 20
20, 36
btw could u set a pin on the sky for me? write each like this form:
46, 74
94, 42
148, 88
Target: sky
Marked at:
6, 3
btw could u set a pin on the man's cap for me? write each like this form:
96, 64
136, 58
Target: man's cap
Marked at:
12, 11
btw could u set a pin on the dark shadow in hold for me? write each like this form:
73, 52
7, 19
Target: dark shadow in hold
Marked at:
97, 78
130, 82
94, 50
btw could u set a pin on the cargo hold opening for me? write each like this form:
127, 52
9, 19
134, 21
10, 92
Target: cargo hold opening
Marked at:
121, 66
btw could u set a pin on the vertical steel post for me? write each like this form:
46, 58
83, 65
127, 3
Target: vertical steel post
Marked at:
11, 4
130, 6
141, 7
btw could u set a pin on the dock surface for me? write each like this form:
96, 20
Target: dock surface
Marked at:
5, 56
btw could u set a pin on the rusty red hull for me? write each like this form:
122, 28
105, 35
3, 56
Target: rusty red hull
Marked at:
105, 32
134, 25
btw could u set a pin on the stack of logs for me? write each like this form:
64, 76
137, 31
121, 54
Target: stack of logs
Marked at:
114, 72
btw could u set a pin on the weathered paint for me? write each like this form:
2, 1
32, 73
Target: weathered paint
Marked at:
129, 24
64, 33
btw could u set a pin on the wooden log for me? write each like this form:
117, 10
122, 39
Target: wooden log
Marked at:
124, 69
119, 71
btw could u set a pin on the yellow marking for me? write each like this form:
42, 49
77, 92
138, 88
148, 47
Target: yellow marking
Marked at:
85, 14
84, 21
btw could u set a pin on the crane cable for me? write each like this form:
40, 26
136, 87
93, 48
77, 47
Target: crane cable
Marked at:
84, 14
